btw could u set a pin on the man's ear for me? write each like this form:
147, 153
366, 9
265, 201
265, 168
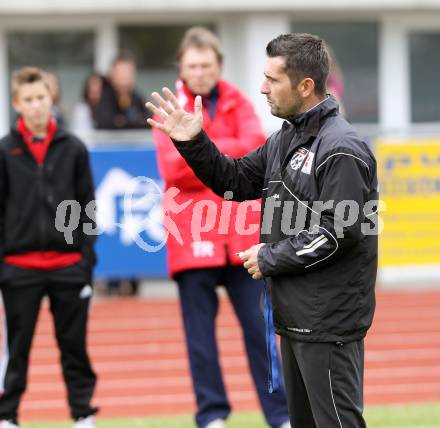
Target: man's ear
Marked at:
15, 105
306, 87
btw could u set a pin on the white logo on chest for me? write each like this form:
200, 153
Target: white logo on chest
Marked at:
307, 167
298, 158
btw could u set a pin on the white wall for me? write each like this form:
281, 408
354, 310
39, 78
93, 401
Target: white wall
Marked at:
170, 6
244, 41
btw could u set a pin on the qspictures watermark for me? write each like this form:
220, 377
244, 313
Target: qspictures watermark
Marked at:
203, 216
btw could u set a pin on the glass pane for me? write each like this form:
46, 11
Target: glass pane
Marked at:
155, 60
67, 54
425, 71
356, 48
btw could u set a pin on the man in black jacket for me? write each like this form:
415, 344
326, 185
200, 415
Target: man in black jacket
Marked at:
319, 227
41, 166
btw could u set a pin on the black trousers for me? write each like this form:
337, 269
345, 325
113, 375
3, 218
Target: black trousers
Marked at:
69, 305
324, 383
199, 303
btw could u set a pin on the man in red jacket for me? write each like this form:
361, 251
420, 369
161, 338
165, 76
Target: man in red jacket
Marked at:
206, 256
41, 166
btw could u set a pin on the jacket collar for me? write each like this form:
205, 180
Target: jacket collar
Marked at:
60, 133
309, 121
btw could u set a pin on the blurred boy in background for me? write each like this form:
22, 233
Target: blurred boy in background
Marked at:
41, 166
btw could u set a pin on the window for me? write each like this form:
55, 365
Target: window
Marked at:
67, 54
425, 72
154, 49
355, 45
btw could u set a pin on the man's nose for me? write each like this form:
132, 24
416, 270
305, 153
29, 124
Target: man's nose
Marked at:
199, 71
264, 89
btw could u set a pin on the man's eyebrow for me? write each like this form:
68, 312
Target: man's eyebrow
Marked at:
269, 77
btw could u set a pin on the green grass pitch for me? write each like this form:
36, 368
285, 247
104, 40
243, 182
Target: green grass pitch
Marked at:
411, 416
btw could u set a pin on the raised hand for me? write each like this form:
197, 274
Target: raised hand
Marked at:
177, 123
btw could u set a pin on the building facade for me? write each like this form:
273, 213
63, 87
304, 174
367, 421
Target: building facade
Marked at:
387, 51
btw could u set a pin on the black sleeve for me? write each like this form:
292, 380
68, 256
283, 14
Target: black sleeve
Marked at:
243, 176
345, 185
85, 193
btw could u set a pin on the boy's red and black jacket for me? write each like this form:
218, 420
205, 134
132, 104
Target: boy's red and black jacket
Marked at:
29, 196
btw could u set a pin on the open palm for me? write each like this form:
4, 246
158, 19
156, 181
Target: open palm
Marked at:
177, 123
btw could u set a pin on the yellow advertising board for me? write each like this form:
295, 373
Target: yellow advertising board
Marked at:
409, 184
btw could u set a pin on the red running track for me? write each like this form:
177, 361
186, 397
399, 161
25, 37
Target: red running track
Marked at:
138, 352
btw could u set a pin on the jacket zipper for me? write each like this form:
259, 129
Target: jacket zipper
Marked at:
42, 222
40, 177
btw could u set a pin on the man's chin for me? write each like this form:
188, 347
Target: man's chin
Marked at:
277, 113
198, 90
40, 122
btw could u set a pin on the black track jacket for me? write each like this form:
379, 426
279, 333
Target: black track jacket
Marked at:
29, 197
318, 182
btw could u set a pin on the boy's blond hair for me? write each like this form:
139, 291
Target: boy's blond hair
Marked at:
27, 75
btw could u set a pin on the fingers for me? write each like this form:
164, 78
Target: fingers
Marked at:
164, 105
252, 270
155, 124
243, 255
198, 108
171, 98
156, 111
240, 255
247, 264
255, 273
250, 263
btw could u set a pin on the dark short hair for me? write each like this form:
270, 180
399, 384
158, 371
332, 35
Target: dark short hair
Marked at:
200, 38
27, 75
306, 56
